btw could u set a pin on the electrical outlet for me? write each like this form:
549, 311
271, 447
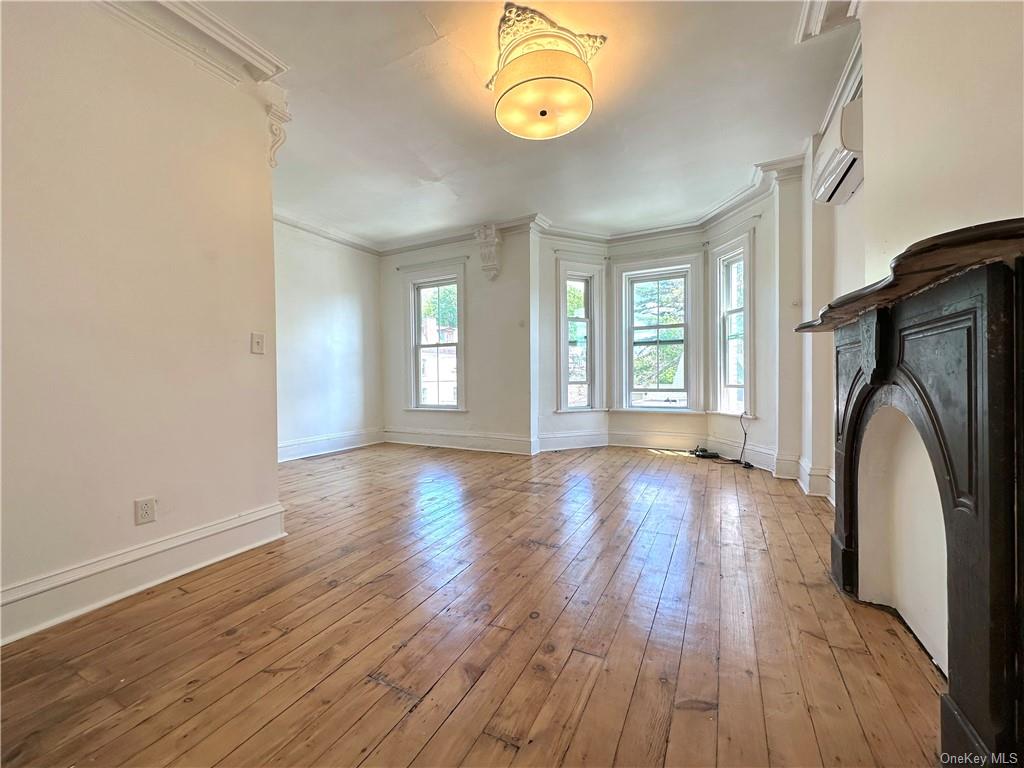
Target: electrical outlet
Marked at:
145, 510
257, 343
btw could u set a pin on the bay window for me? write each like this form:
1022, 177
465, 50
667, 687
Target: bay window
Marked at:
656, 342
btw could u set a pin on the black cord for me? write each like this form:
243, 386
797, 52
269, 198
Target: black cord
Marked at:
744, 428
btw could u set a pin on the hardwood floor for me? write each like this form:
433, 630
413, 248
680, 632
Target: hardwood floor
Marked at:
436, 607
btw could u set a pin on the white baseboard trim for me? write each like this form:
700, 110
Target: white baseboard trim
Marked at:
813, 481
649, 438
317, 445
579, 438
760, 456
832, 487
787, 467
42, 601
494, 442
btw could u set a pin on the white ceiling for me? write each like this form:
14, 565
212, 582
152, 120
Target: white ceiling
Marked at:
393, 132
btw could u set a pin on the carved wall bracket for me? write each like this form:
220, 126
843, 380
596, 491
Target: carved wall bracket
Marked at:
277, 118
489, 239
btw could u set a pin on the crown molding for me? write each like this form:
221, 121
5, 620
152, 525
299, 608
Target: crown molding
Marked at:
461, 235
349, 241
784, 168
203, 37
848, 87
820, 16
261, 63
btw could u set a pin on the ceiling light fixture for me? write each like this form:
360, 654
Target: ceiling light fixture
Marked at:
544, 84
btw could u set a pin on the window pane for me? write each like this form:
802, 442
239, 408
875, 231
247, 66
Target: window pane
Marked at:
428, 376
670, 334
658, 399
650, 334
732, 400
447, 364
448, 313
735, 277
579, 395
578, 351
734, 374
645, 366
447, 394
428, 315
671, 301
671, 371
645, 303
576, 298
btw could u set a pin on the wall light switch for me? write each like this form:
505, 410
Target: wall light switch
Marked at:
257, 343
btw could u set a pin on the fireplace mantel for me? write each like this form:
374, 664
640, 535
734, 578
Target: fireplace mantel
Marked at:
925, 264
941, 340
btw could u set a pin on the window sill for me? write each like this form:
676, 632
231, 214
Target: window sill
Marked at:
436, 410
580, 410
680, 411
747, 416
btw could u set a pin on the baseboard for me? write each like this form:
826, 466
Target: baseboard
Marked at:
318, 445
580, 438
494, 442
760, 456
786, 467
43, 601
814, 481
648, 438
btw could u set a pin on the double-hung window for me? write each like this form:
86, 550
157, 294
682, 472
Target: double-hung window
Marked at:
580, 334
730, 294
656, 355
436, 349
733, 363
579, 342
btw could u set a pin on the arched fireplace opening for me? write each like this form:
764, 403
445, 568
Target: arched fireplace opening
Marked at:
900, 530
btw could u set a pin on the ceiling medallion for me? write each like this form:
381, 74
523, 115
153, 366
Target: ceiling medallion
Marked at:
543, 82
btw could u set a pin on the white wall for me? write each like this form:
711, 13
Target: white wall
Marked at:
943, 135
848, 245
138, 256
497, 351
900, 531
328, 356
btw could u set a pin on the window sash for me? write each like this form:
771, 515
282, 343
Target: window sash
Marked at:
730, 307
419, 345
632, 343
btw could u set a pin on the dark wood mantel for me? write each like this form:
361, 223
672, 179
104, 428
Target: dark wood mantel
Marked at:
942, 340
923, 265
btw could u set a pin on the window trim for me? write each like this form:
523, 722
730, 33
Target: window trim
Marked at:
738, 247
655, 265
424, 276
593, 274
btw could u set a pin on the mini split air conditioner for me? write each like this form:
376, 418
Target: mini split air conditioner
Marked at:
841, 165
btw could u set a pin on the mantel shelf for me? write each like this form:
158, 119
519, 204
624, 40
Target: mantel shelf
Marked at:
923, 265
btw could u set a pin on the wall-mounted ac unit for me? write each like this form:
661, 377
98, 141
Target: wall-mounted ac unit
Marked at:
839, 169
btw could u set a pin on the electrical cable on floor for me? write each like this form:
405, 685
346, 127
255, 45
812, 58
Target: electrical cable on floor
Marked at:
703, 453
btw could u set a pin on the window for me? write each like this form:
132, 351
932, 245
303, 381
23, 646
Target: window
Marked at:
578, 342
656, 355
732, 384
733, 362
436, 351
580, 293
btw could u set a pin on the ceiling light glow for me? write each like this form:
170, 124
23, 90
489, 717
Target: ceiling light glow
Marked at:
544, 85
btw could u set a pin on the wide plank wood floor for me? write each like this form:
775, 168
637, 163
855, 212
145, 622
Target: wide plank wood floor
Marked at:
433, 607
